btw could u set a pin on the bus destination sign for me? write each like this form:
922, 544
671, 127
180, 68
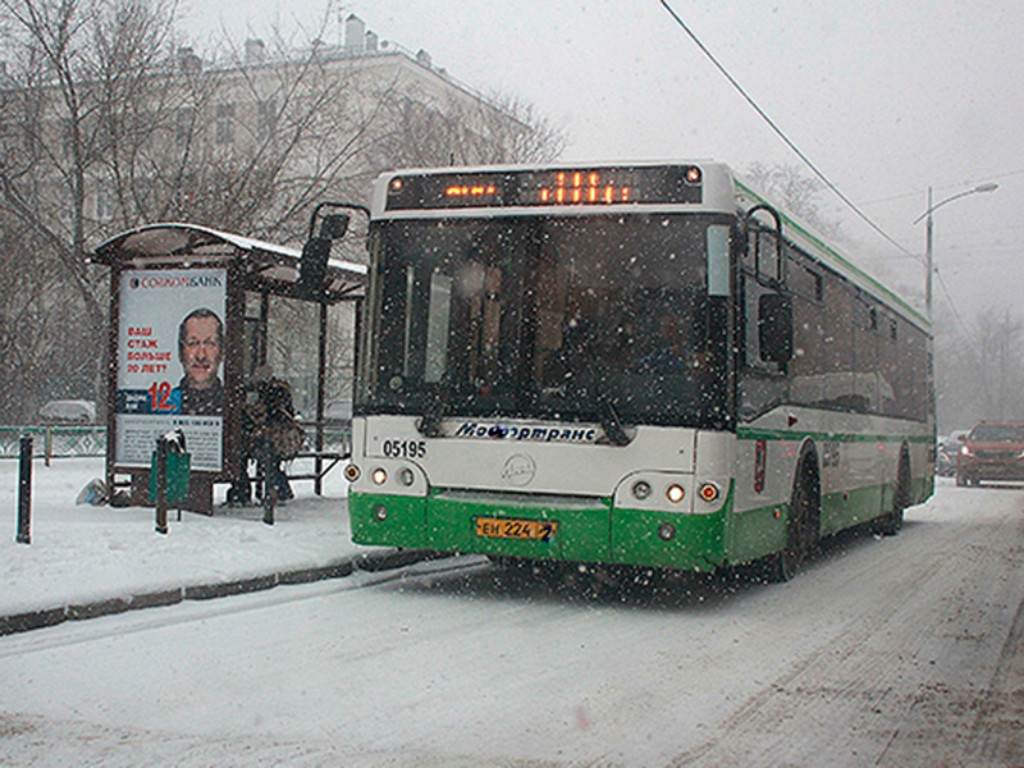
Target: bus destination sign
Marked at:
571, 187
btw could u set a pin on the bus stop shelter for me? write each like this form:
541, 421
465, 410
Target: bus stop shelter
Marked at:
189, 311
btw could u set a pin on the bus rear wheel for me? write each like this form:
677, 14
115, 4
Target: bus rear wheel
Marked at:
892, 523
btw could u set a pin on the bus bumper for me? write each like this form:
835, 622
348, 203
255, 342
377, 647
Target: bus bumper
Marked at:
586, 531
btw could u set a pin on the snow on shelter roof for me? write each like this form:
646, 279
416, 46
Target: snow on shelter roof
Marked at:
183, 243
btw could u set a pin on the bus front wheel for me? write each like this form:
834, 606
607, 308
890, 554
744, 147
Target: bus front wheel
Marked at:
802, 527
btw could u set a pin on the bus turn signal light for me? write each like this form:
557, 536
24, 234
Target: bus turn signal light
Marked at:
709, 492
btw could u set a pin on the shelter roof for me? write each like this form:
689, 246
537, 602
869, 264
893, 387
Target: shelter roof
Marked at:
183, 244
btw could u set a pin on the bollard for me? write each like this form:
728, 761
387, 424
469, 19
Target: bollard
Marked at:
161, 485
269, 472
25, 491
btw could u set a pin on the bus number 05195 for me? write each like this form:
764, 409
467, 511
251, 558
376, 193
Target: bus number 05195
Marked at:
404, 449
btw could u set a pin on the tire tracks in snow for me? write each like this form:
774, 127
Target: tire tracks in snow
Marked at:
900, 676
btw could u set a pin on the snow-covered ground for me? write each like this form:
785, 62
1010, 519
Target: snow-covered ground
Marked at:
82, 553
883, 652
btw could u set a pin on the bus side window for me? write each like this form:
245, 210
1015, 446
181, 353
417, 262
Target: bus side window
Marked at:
769, 267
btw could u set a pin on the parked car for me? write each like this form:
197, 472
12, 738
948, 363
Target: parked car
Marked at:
994, 450
946, 450
338, 412
68, 412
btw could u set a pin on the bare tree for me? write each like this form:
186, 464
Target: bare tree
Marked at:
336, 125
790, 187
71, 67
108, 122
77, 65
493, 130
978, 369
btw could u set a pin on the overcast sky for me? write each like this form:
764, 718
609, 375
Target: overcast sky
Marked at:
886, 98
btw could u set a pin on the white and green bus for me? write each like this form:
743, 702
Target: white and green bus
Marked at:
643, 364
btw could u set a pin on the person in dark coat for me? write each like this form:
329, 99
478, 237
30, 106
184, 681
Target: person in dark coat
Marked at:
269, 412
276, 397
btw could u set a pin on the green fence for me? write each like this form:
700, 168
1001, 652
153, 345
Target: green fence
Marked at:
67, 442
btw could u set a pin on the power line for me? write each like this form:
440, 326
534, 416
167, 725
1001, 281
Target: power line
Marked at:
959, 185
781, 134
952, 305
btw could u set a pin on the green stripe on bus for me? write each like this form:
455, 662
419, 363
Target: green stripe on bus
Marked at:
754, 433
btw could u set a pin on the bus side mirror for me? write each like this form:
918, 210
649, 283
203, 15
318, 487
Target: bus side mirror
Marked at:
317, 250
775, 328
313, 267
334, 226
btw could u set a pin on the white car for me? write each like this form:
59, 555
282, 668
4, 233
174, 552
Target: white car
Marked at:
68, 412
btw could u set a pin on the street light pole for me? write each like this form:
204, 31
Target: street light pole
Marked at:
928, 235
929, 264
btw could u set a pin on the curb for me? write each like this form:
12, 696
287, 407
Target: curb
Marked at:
397, 558
48, 617
23, 622
229, 588
306, 575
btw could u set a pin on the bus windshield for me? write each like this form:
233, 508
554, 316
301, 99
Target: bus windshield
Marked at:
567, 318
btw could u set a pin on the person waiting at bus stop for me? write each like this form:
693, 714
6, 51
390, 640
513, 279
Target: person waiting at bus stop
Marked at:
269, 430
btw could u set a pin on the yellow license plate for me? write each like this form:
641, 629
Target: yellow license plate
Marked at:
511, 528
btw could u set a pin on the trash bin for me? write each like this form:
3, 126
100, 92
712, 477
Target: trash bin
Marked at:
179, 469
179, 473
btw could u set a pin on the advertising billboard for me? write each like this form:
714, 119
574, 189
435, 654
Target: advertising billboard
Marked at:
170, 357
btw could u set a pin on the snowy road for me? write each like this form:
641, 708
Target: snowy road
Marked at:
902, 651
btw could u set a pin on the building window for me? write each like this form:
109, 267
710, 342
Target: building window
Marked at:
266, 119
184, 124
225, 131
30, 138
106, 201
67, 137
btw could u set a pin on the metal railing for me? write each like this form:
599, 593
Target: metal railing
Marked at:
55, 442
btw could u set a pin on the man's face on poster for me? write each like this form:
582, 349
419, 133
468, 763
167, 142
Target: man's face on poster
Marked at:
201, 351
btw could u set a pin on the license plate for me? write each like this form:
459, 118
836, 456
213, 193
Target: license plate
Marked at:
511, 528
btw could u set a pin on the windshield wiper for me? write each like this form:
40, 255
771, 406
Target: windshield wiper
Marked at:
610, 421
429, 424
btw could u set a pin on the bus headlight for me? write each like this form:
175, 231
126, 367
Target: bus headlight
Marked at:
406, 477
379, 476
675, 493
380, 512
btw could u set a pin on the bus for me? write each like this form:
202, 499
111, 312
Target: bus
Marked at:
626, 365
